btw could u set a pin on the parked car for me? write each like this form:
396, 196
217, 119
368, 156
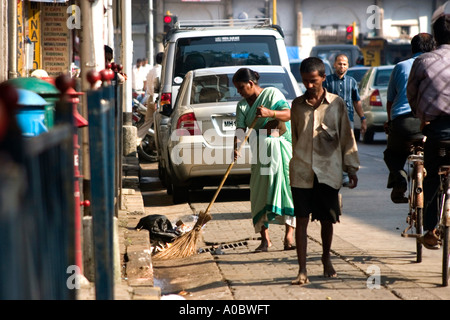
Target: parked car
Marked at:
357, 72
330, 51
203, 44
373, 91
197, 144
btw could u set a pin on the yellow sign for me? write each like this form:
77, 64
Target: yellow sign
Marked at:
371, 56
34, 33
20, 32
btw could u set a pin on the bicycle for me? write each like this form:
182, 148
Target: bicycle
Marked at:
444, 213
415, 196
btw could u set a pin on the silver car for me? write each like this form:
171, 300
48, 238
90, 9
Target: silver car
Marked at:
373, 91
197, 142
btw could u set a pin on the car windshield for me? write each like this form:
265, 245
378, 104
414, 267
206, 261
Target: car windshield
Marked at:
382, 77
204, 52
220, 88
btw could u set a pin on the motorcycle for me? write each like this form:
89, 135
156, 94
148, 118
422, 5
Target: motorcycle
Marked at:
146, 146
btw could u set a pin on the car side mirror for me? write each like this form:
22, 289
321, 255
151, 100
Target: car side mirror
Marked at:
166, 110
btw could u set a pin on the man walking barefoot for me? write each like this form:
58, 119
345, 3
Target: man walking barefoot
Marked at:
323, 148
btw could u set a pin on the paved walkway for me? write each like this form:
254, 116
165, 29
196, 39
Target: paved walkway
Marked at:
239, 273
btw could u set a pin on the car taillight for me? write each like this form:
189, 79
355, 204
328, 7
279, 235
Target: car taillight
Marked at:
166, 98
375, 99
187, 125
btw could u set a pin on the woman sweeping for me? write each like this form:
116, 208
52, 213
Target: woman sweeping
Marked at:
270, 192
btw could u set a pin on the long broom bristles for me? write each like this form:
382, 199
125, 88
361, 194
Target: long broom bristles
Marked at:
186, 244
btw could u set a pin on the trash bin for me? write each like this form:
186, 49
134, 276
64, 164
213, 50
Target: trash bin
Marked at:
31, 113
43, 88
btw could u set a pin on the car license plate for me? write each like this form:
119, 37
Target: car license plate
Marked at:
228, 124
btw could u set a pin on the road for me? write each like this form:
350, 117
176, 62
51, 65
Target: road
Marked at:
367, 246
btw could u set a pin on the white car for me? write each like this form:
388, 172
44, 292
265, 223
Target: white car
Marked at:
204, 44
373, 91
197, 145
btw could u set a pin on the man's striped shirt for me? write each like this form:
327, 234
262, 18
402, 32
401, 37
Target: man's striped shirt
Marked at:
346, 88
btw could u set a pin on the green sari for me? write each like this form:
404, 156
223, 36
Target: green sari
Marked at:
270, 191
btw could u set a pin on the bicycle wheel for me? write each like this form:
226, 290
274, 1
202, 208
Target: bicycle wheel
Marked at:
445, 255
419, 231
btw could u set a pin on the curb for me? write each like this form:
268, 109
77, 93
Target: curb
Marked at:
137, 267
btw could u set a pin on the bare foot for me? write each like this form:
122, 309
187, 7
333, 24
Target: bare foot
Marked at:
328, 270
301, 279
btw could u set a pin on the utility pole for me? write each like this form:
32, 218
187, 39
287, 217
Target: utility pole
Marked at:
274, 13
12, 41
151, 32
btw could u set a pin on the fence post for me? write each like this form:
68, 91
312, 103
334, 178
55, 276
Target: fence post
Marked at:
100, 111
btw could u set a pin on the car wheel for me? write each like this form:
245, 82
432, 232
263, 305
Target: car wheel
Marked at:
146, 149
162, 174
368, 136
180, 194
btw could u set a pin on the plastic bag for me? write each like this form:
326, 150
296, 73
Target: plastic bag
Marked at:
159, 226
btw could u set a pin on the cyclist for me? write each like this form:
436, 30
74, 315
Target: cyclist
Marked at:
428, 93
402, 127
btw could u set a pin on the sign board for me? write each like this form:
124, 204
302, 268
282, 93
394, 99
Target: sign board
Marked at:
371, 56
55, 39
20, 43
34, 35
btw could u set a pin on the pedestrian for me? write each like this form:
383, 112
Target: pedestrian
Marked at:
270, 194
138, 77
153, 81
402, 127
428, 94
323, 147
346, 87
151, 86
109, 58
146, 66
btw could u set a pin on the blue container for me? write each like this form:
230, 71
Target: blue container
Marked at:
31, 114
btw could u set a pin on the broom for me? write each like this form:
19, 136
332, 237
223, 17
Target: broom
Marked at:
186, 244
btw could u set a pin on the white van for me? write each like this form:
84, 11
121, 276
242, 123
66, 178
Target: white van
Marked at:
200, 44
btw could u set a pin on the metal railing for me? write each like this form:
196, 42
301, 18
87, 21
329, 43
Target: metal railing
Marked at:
36, 213
37, 205
105, 132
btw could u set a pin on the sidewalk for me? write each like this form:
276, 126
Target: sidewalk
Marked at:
239, 273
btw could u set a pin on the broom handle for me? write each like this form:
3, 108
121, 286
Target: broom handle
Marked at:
250, 129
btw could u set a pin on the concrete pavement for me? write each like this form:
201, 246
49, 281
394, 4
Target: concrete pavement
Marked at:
239, 273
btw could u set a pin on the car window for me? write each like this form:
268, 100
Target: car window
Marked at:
382, 77
215, 88
183, 88
204, 52
357, 74
365, 80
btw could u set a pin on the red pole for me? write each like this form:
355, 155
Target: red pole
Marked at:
79, 121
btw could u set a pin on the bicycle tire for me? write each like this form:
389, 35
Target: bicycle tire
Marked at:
445, 256
418, 192
419, 230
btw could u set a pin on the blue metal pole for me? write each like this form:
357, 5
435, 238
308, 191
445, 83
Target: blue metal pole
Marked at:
102, 214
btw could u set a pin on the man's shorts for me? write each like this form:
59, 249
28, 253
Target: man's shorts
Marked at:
322, 201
